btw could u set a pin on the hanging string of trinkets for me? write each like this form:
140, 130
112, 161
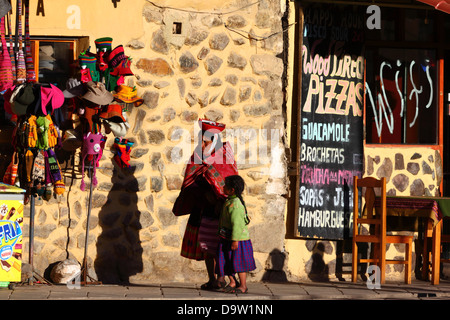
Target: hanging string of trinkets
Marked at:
98, 102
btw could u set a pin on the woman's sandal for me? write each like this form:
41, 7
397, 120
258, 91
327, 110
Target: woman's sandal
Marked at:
220, 286
228, 288
207, 286
238, 291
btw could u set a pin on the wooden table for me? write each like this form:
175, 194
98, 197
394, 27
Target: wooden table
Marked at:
434, 209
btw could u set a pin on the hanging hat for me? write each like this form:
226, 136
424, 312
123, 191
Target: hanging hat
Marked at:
22, 99
5, 7
211, 126
128, 94
118, 129
91, 120
71, 140
88, 62
59, 187
6, 96
113, 113
97, 93
93, 144
123, 150
74, 88
123, 69
51, 96
103, 44
87, 59
115, 57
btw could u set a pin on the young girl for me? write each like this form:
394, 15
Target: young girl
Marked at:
235, 251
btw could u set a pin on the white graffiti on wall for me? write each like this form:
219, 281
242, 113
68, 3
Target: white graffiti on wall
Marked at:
384, 108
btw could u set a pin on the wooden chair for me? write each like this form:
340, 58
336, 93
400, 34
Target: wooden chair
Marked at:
377, 230
426, 253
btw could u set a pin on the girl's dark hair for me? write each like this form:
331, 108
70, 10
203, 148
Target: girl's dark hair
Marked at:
238, 184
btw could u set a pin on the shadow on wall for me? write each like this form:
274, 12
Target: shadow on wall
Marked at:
119, 250
275, 267
316, 266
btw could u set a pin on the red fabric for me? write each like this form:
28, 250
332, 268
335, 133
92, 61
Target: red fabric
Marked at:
438, 4
419, 203
206, 125
214, 169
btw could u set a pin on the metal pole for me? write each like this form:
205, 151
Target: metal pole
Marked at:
87, 225
31, 238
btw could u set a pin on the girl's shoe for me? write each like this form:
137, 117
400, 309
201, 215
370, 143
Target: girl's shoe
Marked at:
220, 286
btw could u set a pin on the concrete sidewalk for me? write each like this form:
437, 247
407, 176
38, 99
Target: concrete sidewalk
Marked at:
259, 291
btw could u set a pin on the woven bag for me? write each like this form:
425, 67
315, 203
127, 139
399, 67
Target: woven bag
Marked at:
21, 70
6, 76
11, 47
31, 73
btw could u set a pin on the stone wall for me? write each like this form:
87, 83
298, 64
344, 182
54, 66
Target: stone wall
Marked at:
408, 171
187, 65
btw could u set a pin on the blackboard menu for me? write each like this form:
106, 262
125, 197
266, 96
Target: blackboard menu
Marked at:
331, 121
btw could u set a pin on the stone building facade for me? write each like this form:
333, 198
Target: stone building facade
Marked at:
223, 64
231, 61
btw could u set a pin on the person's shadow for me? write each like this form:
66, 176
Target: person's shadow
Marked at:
275, 271
318, 268
119, 250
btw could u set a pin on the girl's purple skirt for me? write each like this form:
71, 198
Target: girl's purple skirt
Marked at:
230, 262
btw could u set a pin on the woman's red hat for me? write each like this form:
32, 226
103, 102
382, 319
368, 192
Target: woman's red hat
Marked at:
208, 125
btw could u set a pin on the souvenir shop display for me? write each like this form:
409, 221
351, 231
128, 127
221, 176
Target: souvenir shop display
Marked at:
76, 119
95, 103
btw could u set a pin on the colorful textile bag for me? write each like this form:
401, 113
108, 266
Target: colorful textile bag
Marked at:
6, 76
21, 70
31, 74
11, 172
11, 48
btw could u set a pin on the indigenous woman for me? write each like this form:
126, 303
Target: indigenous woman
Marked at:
202, 196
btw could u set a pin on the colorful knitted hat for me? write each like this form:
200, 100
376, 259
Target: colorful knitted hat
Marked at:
59, 187
93, 144
103, 44
123, 69
88, 61
123, 150
115, 57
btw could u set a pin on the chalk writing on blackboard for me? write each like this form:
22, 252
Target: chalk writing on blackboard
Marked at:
331, 120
